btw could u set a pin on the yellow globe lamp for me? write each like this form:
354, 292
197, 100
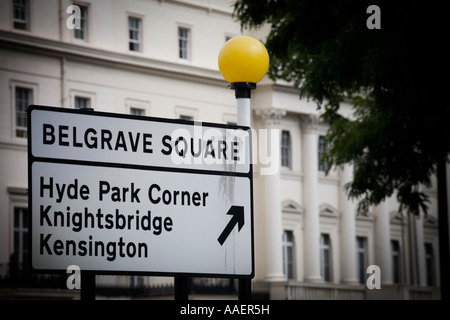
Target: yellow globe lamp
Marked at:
243, 59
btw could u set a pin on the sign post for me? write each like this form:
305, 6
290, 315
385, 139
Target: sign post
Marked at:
87, 278
121, 194
87, 286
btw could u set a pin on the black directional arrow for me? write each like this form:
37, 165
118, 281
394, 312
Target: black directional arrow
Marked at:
238, 218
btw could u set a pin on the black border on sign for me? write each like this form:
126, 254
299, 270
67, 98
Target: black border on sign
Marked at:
32, 159
131, 116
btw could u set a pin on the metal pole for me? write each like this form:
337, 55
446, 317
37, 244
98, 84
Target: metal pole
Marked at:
243, 95
87, 286
243, 111
87, 278
245, 289
181, 288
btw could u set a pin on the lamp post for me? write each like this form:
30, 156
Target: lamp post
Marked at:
243, 61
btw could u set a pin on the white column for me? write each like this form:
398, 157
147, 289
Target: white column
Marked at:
310, 198
348, 233
383, 243
272, 198
415, 228
420, 249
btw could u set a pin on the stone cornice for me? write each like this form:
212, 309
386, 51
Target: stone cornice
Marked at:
311, 123
14, 145
208, 8
88, 54
271, 116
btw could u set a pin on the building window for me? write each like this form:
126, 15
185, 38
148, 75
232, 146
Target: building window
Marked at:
137, 111
361, 258
134, 34
23, 98
183, 43
429, 264
285, 149
21, 14
81, 33
186, 113
323, 166
82, 102
395, 253
186, 117
20, 255
325, 257
288, 254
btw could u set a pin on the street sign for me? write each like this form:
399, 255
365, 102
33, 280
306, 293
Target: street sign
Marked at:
126, 194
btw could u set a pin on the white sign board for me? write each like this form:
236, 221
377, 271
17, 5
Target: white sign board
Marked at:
124, 194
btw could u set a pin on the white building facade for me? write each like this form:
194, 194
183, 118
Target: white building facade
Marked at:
159, 58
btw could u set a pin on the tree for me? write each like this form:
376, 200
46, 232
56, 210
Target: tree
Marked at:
399, 129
